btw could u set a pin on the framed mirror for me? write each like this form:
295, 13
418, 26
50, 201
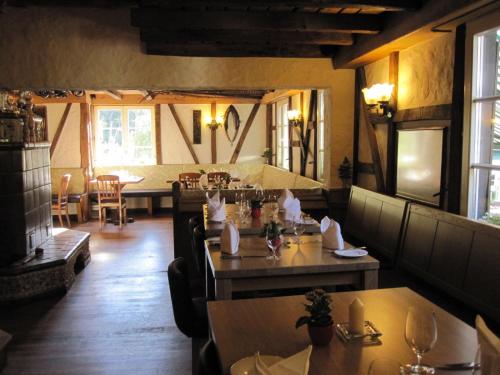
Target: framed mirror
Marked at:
231, 123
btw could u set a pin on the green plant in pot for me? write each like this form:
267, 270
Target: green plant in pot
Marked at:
256, 205
319, 321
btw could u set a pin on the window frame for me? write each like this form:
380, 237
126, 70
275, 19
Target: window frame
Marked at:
282, 137
125, 133
469, 193
320, 126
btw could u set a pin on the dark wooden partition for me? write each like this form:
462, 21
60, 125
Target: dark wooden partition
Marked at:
375, 220
456, 254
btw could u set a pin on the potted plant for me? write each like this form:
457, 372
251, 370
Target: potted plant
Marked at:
319, 322
256, 205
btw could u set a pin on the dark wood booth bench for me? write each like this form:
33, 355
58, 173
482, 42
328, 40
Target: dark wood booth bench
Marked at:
457, 255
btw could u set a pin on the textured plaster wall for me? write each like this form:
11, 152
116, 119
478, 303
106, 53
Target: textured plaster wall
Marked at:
75, 48
425, 79
426, 73
67, 152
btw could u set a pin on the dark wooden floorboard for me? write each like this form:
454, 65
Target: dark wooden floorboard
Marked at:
116, 319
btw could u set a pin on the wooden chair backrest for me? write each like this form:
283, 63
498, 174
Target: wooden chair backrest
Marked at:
108, 188
63, 190
213, 176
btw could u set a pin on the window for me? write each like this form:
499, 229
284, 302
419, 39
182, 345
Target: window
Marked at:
282, 136
484, 179
124, 136
321, 135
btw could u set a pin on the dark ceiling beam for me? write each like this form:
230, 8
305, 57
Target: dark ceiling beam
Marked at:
242, 36
389, 5
238, 50
204, 20
402, 30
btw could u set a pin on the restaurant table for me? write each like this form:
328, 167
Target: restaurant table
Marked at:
251, 226
309, 265
240, 328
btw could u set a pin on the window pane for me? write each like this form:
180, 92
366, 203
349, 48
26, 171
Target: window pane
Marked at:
486, 57
486, 132
109, 150
140, 136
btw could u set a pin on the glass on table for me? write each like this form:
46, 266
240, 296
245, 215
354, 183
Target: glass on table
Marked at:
298, 228
421, 336
244, 210
273, 242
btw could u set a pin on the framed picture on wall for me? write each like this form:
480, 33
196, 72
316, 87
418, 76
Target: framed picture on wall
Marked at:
420, 171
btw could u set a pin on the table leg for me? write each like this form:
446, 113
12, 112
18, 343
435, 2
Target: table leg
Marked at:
223, 289
370, 279
210, 282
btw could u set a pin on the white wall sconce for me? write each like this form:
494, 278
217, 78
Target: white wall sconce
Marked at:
377, 98
295, 118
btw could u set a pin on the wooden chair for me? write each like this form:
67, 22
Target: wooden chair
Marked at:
61, 205
217, 176
190, 180
109, 195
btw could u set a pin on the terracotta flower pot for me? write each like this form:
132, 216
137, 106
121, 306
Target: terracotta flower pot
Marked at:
256, 212
320, 335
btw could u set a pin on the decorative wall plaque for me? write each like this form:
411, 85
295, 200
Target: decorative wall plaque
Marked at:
231, 123
197, 127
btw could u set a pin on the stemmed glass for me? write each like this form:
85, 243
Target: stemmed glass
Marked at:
420, 335
298, 228
244, 210
273, 243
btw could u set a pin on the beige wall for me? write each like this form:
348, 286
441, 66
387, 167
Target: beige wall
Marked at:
67, 152
425, 79
75, 48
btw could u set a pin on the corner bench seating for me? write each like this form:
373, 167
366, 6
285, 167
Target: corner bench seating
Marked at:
457, 255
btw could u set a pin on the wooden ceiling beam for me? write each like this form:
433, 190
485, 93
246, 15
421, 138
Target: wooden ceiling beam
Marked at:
389, 5
238, 50
114, 94
203, 20
246, 36
402, 30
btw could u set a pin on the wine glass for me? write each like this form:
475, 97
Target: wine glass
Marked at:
244, 210
298, 228
384, 366
420, 335
273, 243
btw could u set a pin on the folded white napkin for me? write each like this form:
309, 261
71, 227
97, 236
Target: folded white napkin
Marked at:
216, 207
285, 197
203, 180
490, 348
292, 209
297, 364
331, 234
229, 239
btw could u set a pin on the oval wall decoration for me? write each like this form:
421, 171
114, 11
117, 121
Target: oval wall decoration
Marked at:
231, 123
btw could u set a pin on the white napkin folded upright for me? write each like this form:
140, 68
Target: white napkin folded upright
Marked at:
216, 208
285, 197
331, 234
490, 348
297, 364
229, 239
292, 209
203, 181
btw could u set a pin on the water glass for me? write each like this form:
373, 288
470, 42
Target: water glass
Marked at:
421, 336
298, 228
273, 243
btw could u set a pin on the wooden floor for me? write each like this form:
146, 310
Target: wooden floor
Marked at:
116, 319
